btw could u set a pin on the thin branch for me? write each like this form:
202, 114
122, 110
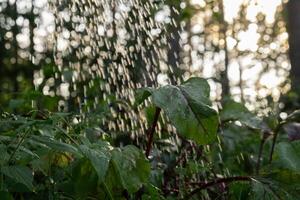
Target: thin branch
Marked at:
151, 131
261, 147
216, 182
18, 145
276, 131
241, 83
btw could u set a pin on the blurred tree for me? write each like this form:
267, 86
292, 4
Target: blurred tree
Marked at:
293, 7
121, 45
16, 71
223, 34
25, 52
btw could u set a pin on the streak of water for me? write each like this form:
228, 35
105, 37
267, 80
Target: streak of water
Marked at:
112, 47
120, 44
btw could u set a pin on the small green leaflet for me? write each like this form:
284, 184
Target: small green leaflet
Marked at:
55, 144
234, 111
142, 94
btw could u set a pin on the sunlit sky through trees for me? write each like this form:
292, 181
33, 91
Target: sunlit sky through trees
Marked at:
258, 62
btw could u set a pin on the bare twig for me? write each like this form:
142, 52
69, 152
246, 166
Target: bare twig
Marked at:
266, 134
151, 131
216, 182
261, 146
18, 145
276, 131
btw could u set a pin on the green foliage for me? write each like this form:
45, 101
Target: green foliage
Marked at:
294, 116
5, 195
38, 151
131, 168
288, 155
233, 111
70, 156
99, 157
20, 174
189, 109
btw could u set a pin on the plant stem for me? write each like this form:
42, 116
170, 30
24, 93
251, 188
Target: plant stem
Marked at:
18, 145
261, 146
108, 191
216, 182
151, 131
276, 131
273, 147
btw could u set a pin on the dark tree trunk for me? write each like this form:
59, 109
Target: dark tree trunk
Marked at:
224, 72
293, 7
15, 32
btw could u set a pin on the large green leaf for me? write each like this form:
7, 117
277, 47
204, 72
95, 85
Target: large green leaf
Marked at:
288, 155
189, 109
234, 111
130, 167
54, 144
282, 183
20, 174
285, 177
239, 191
99, 156
83, 182
262, 191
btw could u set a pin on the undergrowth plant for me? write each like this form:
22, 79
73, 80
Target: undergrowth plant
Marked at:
220, 151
